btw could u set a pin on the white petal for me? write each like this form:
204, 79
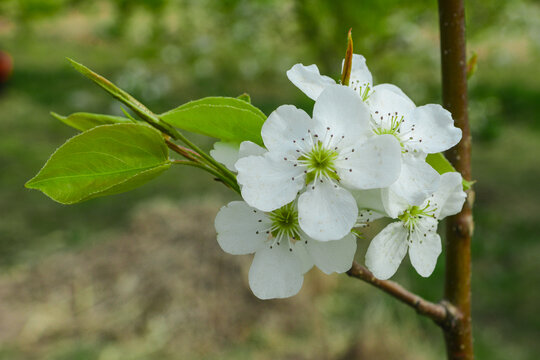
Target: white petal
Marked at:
309, 80
434, 129
275, 273
367, 216
302, 254
387, 250
387, 100
286, 124
248, 148
333, 256
268, 182
394, 204
449, 197
239, 230
417, 180
326, 211
369, 199
360, 74
393, 88
375, 163
425, 247
226, 153
341, 110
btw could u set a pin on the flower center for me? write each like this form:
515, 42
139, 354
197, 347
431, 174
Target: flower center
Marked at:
320, 163
413, 214
391, 126
362, 89
285, 223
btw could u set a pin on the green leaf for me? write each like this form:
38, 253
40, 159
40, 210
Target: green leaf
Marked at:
441, 164
105, 160
84, 121
225, 118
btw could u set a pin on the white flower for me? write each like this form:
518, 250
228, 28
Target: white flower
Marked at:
312, 83
332, 150
283, 252
420, 130
416, 231
228, 153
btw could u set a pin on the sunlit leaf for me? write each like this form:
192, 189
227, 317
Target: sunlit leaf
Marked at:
228, 119
105, 160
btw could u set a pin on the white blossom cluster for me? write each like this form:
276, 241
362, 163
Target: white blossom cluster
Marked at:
360, 157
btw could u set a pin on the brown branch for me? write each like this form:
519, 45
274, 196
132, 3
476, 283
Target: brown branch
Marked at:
459, 227
443, 314
185, 152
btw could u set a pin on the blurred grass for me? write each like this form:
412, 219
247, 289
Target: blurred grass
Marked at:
225, 48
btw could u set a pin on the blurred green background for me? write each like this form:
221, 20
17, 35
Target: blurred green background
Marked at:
140, 276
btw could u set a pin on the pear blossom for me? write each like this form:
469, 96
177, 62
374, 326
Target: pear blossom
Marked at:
415, 231
283, 252
420, 130
228, 153
320, 158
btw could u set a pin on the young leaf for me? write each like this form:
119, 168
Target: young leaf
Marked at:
228, 119
84, 121
245, 97
441, 164
347, 64
105, 160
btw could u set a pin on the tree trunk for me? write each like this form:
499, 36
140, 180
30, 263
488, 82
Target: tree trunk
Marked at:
458, 336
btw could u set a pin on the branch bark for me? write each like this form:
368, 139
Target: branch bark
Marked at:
459, 227
443, 314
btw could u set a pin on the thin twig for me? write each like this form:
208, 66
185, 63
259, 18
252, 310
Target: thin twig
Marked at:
181, 150
440, 313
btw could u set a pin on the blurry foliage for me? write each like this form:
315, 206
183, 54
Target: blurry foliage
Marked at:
169, 52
